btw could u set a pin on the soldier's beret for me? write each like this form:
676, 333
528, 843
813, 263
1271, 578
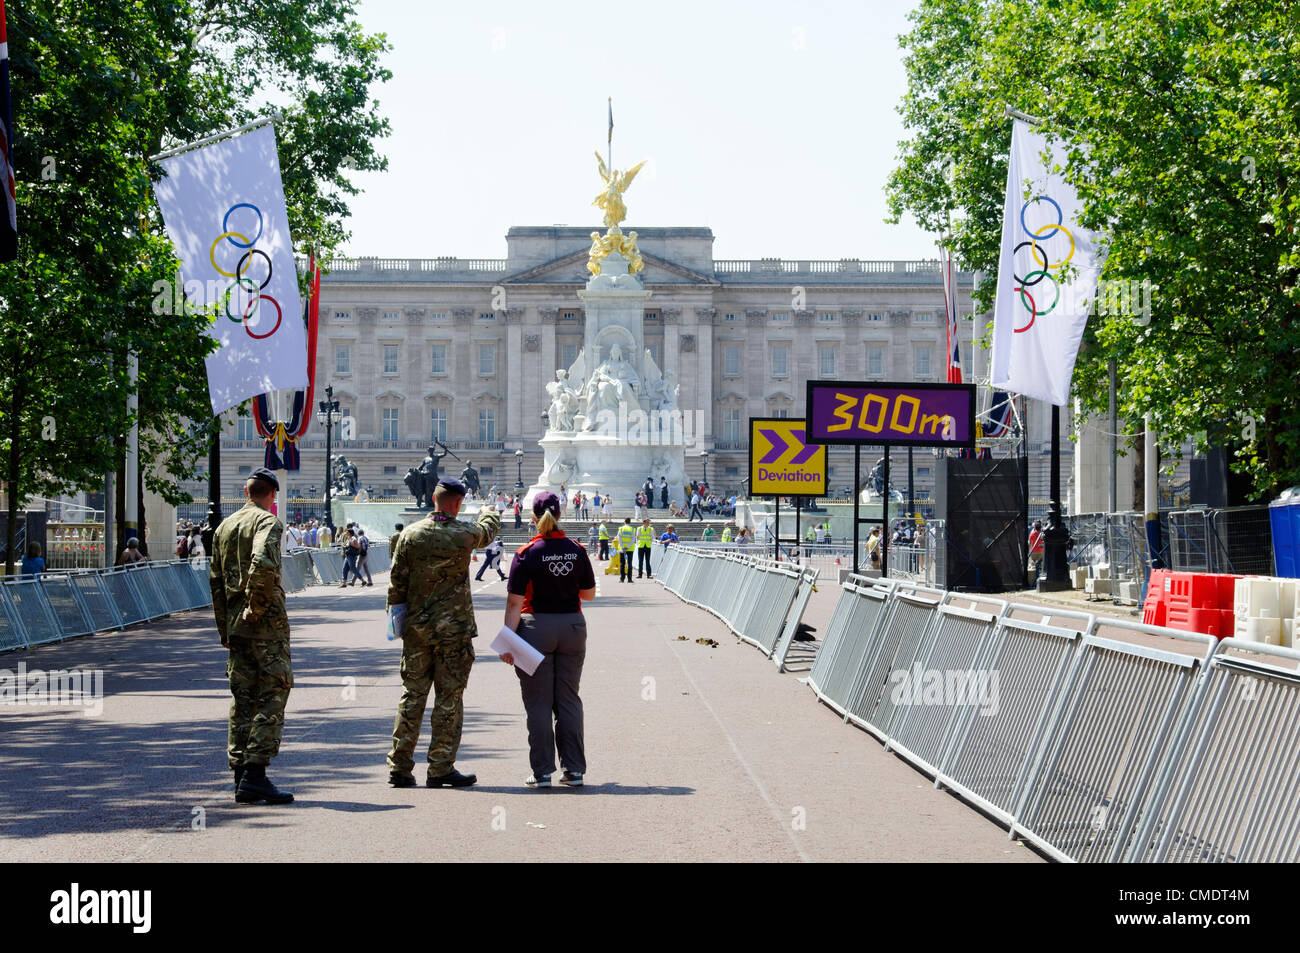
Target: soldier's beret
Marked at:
262, 473
452, 486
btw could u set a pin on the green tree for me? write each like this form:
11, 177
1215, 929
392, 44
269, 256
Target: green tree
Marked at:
98, 86
1179, 122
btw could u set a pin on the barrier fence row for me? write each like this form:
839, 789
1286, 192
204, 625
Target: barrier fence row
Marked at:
1094, 739
36, 610
760, 600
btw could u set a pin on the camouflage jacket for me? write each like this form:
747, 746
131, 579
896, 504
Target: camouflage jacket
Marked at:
244, 573
430, 575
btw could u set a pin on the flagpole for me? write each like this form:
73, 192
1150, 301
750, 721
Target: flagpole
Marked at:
217, 137
609, 143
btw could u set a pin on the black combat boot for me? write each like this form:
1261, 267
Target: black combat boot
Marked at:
452, 778
400, 779
239, 774
256, 787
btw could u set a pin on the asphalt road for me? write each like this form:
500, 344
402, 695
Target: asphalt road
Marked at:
696, 753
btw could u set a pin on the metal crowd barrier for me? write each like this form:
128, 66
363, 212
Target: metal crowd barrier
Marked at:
36, 610
1093, 739
760, 600
1229, 794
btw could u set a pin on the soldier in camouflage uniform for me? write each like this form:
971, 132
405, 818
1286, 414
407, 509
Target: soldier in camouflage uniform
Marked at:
392, 542
430, 576
248, 602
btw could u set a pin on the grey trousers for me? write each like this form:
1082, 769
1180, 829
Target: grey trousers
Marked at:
553, 691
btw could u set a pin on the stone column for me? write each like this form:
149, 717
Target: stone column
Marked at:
512, 428
462, 424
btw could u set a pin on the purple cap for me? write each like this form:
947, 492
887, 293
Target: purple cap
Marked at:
546, 501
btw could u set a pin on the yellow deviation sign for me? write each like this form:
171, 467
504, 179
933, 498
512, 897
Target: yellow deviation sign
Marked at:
780, 463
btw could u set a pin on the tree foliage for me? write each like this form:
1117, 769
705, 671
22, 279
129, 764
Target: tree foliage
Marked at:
99, 85
1181, 123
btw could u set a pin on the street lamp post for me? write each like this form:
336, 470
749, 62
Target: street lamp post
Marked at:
704, 459
328, 408
519, 472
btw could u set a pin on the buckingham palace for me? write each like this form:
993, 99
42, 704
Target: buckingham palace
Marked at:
461, 349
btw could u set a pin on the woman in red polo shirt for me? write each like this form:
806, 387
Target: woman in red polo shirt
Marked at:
550, 576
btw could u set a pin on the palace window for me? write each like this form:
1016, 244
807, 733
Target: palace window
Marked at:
487, 425
390, 358
390, 423
731, 360
875, 362
780, 360
921, 364
487, 359
731, 425
245, 428
438, 424
826, 359
439, 364
342, 359
568, 354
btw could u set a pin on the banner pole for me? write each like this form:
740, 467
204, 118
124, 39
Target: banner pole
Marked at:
884, 519
857, 499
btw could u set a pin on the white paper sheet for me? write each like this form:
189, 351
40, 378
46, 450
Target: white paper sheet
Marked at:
526, 657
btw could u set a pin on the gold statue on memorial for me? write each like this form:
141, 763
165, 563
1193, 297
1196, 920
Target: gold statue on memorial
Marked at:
611, 202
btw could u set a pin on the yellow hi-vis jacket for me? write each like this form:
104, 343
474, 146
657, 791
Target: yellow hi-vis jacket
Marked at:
626, 536
604, 533
726, 534
645, 536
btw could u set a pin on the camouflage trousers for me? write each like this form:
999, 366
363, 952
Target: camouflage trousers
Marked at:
260, 678
445, 666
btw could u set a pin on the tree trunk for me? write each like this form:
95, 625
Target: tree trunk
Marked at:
1139, 472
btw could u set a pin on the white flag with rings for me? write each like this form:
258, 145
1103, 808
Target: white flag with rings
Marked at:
223, 208
1047, 276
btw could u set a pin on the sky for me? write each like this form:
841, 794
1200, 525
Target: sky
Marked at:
773, 123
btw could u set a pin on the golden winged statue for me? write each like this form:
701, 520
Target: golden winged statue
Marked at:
611, 199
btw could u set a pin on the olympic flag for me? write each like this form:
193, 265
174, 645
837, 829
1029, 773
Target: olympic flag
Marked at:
223, 207
1047, 277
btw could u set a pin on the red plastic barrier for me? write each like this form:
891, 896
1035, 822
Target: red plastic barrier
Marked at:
1196, 602
1156, 608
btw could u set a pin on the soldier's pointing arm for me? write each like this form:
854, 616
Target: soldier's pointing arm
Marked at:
486, 526
264, 571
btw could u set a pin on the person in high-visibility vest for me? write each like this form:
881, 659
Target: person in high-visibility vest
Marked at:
604, 542
626, 540
645, 539
726, 533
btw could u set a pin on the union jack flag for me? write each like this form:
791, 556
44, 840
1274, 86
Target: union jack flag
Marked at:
950, 311
9, 218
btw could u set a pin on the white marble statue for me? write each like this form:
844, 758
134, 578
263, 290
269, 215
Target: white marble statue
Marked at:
564, 402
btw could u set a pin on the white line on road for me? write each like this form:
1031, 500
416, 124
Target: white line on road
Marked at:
781, 819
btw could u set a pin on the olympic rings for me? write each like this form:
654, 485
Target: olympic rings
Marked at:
279, 316
1041, 259
243, 281
212, 254
225, 223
